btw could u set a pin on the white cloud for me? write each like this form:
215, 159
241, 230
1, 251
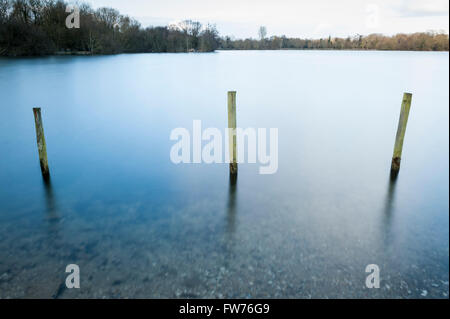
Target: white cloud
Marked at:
420, 8
298, 18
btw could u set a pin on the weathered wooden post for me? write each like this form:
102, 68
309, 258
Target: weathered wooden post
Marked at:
42, 147
404, 113
232, 131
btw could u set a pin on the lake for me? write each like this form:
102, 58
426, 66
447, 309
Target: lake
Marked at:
139, 226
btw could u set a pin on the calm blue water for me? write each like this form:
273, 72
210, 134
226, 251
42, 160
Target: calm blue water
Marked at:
140, 226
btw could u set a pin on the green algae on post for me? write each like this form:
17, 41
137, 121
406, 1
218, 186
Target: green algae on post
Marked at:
232, 131
42, 147
404, 113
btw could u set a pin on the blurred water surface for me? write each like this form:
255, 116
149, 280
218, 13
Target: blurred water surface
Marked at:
140, 226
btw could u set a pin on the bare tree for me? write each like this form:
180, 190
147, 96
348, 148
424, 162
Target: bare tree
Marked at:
262, 32
192, 31
190, 27
110, 17
5, 6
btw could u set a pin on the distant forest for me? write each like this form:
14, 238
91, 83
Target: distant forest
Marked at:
38, 27
423, 41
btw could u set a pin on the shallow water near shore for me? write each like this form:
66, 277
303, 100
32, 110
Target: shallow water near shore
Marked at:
140, 226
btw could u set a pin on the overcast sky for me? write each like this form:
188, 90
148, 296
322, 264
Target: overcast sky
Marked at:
293, 18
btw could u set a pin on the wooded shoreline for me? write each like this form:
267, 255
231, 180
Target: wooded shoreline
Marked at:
39, 28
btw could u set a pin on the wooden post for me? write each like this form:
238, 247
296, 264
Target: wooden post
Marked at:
232, 131
42, 147
404, 113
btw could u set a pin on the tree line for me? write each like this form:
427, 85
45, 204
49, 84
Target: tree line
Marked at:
38, 27
423, 41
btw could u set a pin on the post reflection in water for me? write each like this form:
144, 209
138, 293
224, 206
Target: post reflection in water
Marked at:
389, 205
51, 216
231, 205
230, 222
